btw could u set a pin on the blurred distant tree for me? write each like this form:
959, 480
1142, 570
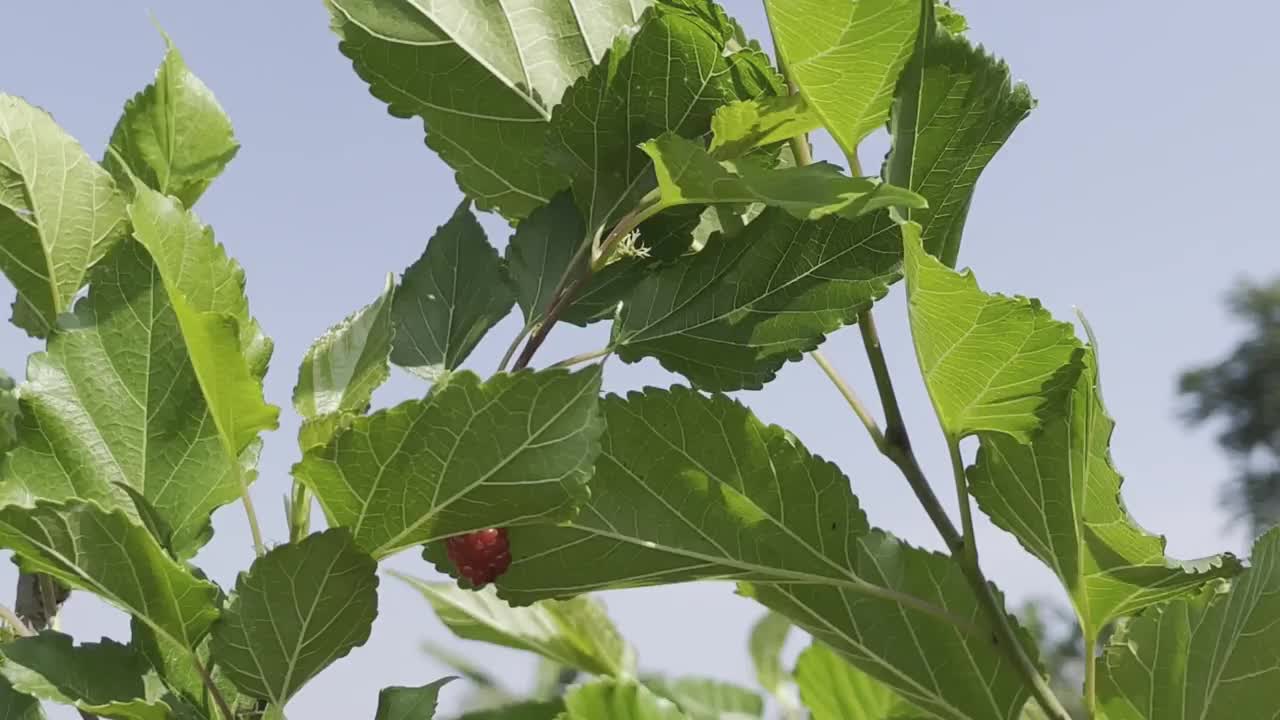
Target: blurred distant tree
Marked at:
1242, 391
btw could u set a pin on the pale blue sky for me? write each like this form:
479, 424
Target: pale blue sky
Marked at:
1135, 191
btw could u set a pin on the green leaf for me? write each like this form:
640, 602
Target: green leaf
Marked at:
689, 175
731, 316
948, 671
949, 18
833, 689
991, 363
300, 607
618, 700
540, 252
690, 487
467, 669
342, 369
515, 449
674, 75
96, 418
206, 290
1214, 656
406, 703
744, 125
177, 669
548, 710
104, 553
1060, 496
954, 107
173, 135
576, 633
449, 298
60, 213
706, 699
9, 413
767, 640
150, 518
845, 56
106, 679
514, 64
17, 706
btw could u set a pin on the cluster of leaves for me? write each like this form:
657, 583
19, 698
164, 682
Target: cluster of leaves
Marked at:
663, 182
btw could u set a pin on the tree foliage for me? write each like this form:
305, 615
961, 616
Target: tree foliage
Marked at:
654, 162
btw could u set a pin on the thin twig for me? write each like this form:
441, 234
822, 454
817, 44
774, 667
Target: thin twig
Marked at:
898, 450
255, 530
581, 358
895, 429
869, 422
299, 507
970, 539
895, 444
514, 346
573, 281
561, 303
212, 687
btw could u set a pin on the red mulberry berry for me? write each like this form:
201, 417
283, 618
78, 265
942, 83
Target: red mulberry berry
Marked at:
480, 556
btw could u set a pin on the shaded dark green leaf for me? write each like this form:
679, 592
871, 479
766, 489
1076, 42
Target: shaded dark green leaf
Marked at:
410, 703
416, 55
731, 316
298, 609
106, 679
449, 298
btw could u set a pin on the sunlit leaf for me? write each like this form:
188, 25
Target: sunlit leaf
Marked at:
99, 416
845, 56
706, 699
173, 135
60, 213
449, 298
689, 175
833, 689
342, 368
991, 363
106, 554
618, 700
513, 63
954, 108
512, 450
744, 125
1060, 496
226, 347
299, 608
1214, 656
576, 633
